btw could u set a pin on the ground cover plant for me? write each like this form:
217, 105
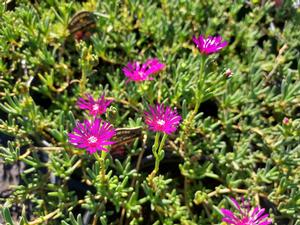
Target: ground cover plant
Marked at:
150, 112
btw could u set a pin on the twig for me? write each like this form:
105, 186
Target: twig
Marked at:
95, 220
228, 190
48, 148
277, 61
27, 153
50, 215
44, 218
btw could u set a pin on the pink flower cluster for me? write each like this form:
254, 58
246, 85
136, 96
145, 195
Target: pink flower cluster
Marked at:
137, 72
93, 135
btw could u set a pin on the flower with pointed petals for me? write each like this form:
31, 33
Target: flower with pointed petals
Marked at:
162, 119
95, 107
92, 136
245, 215
136, 71
209, 45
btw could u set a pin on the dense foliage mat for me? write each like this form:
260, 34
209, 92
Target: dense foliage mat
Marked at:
239, 130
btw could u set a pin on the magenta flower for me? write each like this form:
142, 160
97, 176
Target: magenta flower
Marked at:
97, 107
139, 72
209, 45
245, 215
161, 119
92, 136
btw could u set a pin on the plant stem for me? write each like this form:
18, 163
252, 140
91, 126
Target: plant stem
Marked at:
200, 88
101, 161
157, 158
155, 146
198, 98
103, 156
162, 143
157, 152
44, 218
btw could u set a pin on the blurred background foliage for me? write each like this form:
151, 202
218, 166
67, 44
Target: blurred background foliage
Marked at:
245, 140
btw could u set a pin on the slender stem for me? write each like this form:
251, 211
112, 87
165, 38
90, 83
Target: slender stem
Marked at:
155, 146
157, 149
162, 143
200, 88
97, 157
198, 92
156, 168
227, 190
101, 161
198, 98
157, 158
95, 220
103, 156
155, 153
44, 218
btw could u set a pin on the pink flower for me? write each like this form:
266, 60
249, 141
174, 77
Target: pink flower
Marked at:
92, 136
139, 72
161, 119
245, 215
209, 45
95, 107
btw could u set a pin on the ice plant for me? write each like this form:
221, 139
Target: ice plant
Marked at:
162, 119
92, 136
245, 215
206, 47
137, 72
95, 107
209, 45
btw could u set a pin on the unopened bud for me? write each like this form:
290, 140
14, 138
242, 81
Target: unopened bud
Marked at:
228, 73
286, 121
111, 114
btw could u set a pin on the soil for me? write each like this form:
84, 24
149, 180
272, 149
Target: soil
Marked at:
9, 175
